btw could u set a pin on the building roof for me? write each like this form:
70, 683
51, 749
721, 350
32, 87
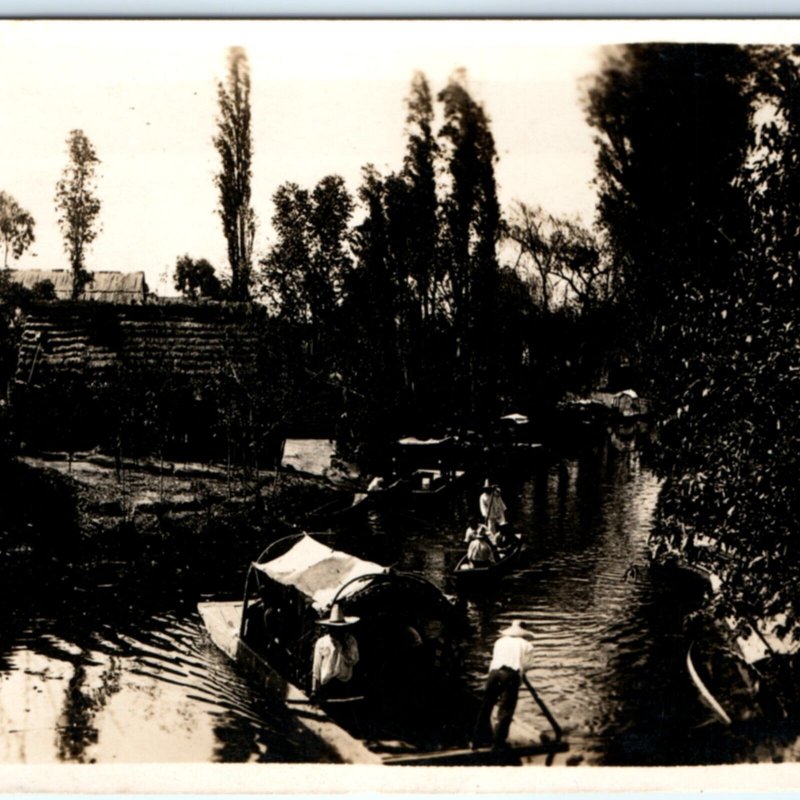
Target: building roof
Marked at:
96, 339
105, 285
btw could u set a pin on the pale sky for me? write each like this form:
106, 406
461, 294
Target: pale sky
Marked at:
327, 98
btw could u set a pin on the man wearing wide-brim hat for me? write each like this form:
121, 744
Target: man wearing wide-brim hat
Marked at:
492, 507
335, 652
511, 658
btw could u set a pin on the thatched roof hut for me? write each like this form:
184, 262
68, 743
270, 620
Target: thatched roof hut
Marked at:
97, 340
104, 286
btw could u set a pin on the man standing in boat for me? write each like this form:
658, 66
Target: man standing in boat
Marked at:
493, 509
335, 654
511, 658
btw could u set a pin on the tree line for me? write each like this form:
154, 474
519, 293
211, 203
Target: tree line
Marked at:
418, 305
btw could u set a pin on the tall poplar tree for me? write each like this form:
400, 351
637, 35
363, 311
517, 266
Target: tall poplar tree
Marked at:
234, 145
78, 206
471, 229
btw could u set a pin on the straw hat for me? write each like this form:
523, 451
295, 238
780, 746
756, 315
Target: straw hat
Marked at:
337, 619
517, 628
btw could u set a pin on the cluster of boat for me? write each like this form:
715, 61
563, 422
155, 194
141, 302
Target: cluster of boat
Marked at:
406, 699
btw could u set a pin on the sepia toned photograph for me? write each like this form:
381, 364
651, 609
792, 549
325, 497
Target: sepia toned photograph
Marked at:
399, 394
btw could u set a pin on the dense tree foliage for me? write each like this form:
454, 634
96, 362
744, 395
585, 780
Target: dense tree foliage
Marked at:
304, 270
411, 324
234, 145
697, 166
78, 205
470, 230
196, 279
16, 228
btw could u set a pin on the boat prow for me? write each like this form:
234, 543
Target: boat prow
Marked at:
705, 693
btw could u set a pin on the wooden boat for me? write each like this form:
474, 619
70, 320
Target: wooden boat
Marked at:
692, 579
424, 484
425, 471
744, 677
222, 621
405, 697
467, 575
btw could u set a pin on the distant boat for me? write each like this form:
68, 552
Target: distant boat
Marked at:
468, 576
425, 471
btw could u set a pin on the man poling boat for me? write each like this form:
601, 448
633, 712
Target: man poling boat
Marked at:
512, 656
492, 507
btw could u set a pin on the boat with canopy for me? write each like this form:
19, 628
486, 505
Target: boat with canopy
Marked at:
406, 697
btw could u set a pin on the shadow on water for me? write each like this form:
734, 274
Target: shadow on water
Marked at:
127, 664
103, 658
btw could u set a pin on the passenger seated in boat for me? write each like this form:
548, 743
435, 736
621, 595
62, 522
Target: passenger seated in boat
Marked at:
503, 540
479, 552
474, 527
335, 654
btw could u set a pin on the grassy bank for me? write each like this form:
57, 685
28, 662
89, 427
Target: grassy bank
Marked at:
193, 524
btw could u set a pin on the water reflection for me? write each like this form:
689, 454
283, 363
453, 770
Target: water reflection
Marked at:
124, 673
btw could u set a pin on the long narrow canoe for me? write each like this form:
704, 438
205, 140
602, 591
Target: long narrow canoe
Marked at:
222, 621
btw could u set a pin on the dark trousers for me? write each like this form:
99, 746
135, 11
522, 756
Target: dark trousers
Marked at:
501, 690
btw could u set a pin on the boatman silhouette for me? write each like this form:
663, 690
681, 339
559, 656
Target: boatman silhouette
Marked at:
511, 658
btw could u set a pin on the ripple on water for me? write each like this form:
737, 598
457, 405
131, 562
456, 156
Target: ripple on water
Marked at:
113, 682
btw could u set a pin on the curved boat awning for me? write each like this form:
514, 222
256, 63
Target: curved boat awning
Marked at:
316, 570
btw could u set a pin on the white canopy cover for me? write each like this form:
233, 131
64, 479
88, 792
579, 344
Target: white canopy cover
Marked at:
317, 571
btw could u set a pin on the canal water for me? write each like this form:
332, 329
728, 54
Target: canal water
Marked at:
111, 665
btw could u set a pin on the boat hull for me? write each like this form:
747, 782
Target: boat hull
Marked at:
474, 577
222, 621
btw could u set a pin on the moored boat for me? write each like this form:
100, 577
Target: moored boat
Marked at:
343, 507
744, 672
426, 472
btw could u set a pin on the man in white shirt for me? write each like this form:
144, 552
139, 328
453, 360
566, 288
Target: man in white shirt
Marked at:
512, 656
493, 509
335, 653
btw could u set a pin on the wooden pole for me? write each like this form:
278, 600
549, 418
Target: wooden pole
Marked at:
545, 710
